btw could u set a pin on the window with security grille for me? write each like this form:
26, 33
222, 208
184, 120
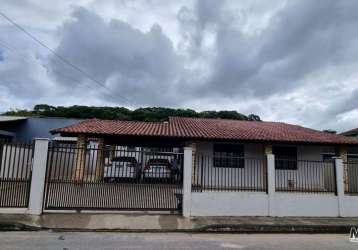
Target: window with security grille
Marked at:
229, 156
285, 157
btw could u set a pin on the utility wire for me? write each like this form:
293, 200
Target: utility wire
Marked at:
61, 58
28, 59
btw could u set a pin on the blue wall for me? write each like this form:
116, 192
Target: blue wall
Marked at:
35, 127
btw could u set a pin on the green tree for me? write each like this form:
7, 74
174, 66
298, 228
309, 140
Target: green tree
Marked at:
152, 114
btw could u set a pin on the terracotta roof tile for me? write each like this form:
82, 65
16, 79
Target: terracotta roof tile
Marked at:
215, 129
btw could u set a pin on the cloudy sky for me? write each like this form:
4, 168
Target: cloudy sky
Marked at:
294, 61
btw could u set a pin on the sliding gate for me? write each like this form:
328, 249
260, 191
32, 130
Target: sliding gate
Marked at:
92, 178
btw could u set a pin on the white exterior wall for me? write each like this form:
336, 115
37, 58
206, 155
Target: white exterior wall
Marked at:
306, 175
243, 203
350, 206
233, 178
229, 204
252, 150
282, 204
312, 174
300, 204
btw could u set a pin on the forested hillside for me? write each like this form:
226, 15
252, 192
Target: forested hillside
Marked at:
121, 113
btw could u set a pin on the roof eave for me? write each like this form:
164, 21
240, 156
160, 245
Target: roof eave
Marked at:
193, 138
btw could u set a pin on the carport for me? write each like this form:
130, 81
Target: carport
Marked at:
77, 177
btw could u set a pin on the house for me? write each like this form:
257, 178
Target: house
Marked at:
231, 160
197, 167
218, 137
5, 123
228, 147
15, 128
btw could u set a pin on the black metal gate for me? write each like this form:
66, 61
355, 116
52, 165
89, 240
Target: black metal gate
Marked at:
113, 178
15, 174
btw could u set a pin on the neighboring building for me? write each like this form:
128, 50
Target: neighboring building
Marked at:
352, 151
13, 128
351, 133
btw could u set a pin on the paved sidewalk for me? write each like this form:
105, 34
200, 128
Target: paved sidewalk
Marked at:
174, 223
174, 241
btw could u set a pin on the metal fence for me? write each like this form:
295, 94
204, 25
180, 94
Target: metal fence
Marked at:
351, 177
113, 178
15, 174
305, 176
229, 174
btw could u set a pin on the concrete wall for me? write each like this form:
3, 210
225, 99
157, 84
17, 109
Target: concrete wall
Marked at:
229, 204
300, 204
281, 205
350, 206
223, 203
273, 203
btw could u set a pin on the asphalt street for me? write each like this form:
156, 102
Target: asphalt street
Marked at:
101, 240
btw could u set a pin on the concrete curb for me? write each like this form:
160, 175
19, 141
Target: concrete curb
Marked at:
8, 226
312, 229
174, 223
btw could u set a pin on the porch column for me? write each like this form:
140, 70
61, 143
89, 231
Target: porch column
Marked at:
271, 183
188, 162
100, 159
267, 149
38, 176
343, 151
193, 148
112, 152
80, 157
340, 184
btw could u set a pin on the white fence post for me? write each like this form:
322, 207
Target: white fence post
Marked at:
188, 162
339, 168
271, 183
38, 176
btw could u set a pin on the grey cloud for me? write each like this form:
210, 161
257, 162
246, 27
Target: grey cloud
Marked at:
302, 38
348, 103
22, 77
136, 64
288, 60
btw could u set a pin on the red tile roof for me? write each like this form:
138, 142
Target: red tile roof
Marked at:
208, 129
